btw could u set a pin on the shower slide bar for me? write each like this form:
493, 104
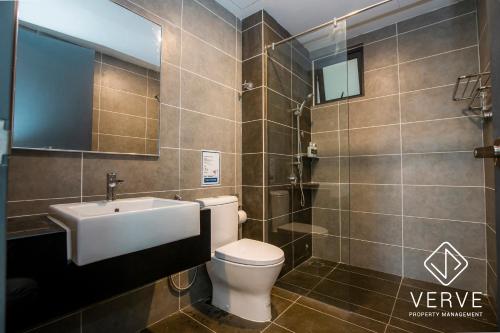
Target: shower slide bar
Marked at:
332, 22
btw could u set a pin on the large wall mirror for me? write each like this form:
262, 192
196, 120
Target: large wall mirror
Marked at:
87, 78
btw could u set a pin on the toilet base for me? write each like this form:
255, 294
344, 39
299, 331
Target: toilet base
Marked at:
242, 290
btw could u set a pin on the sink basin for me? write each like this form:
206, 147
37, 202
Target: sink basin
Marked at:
105, 229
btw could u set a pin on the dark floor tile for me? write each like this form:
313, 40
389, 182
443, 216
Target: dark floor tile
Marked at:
273, 328
404, 309
299, 279
369, 272
284, 293
354, 295
69, 324
392, 329
409, 326
176, 323
316, 266
366, 282
291, 288
346, 311
221, 321
301, 319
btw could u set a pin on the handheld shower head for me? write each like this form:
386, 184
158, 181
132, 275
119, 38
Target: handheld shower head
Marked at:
308, 98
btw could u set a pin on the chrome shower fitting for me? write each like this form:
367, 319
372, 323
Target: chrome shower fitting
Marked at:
245, 86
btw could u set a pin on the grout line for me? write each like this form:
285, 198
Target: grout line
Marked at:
196, 320
396, 299
263, 64
438, 54
235, 26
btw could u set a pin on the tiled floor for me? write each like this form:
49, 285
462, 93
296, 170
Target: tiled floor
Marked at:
322, 296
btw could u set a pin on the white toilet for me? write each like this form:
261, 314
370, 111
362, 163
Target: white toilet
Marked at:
242, 271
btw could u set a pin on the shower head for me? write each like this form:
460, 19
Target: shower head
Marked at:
308, 98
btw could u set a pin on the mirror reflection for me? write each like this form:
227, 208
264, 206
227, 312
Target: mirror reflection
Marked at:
87, 78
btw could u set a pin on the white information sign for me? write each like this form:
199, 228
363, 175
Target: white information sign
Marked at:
210, 168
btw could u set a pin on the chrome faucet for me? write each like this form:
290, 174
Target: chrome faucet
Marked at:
111, 183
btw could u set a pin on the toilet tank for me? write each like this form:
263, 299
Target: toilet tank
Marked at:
224, 219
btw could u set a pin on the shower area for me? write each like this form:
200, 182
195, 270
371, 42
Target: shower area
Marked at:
358, 163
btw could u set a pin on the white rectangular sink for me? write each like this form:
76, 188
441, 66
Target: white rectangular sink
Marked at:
105, 229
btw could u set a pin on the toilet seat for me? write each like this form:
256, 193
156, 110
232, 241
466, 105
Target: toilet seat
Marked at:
250, 252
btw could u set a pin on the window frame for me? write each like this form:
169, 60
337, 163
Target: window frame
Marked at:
356, 52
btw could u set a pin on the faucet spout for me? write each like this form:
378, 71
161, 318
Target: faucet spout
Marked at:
111, 184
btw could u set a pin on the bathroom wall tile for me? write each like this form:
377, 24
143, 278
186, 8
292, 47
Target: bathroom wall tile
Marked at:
167, 9
380, 111
375, 169
205, 96
118, 144
118, 101
69, 324
252, 169
380, 54
492, 286
381, 82
302, 249
152, 108
428, 234
252, 105
374, 227
190, 169
116, 78
301, 63
153, 88
485, 48
457, 169
282, 53
43, 175
169, 126
35, 207
141, 174
429, 104
193, 194
445, 36
251, 20
279, 139
326, 247
251, 41
170, 85
279, 168
473, 278
132, 311
373, 36
252, 137
209, 27
374, 140
328, 143
252, 71
326, 169
490, 208
324, 118
171, 44
491, 248
279, 108
437, 16
253, 229
118, 63
196, 128
441, 135
437, 70
455, 203
300, 90
384, 258
385, 199
279, 78
120, 124
277, 232
253, 201
328, 219
273, 24
296, 200
221, 12
326, 196
203, 59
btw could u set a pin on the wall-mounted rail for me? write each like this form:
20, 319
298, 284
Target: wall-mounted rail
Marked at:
475, 88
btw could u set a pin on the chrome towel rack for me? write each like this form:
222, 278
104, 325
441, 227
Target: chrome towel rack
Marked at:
474, 87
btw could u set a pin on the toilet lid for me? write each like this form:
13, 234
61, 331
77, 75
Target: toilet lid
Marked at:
250, 252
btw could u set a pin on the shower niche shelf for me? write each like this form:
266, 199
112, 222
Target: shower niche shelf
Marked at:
475, 88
